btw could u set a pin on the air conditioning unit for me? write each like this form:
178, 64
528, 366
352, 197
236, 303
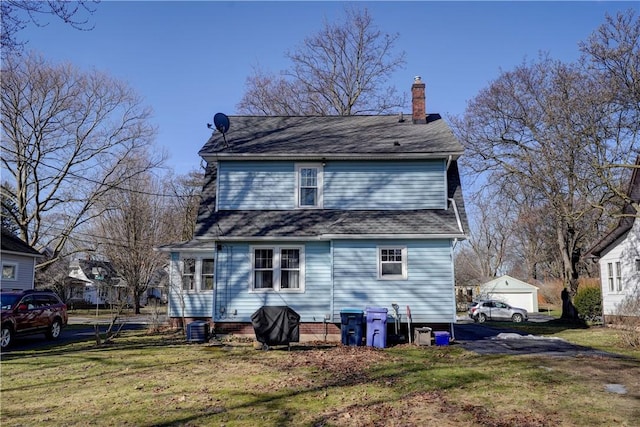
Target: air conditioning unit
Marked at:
197, 331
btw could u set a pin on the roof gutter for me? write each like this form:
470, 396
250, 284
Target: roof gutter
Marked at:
214, 157
328, 237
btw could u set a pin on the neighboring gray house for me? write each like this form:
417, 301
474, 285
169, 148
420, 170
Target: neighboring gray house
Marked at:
321, 214
511, 291
18, 263
618, 255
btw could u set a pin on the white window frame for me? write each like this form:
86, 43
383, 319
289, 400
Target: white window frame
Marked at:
610, 276
319, 185
277, 271
13, 278
197, 274
618, 276
403, 254
203, 275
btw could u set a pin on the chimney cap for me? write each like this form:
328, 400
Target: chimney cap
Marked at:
417, 79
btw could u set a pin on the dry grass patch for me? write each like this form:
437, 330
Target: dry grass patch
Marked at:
158, 380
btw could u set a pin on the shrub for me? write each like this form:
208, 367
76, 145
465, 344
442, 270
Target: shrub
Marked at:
588, 302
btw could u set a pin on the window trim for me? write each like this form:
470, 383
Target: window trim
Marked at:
14, 278
277, 269
319, 184
403, 254
610, 276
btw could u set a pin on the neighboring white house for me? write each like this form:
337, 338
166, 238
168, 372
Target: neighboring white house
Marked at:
618, 254
95, 282
18, 263
511, 291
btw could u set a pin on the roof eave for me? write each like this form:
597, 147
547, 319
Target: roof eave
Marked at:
327, 237
4, 251
214, 157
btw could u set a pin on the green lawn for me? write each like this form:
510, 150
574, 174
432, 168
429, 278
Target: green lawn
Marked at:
159, 380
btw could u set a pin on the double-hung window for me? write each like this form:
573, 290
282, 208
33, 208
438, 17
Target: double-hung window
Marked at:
392, 262
309, 179
188, 274
197, 274
277, 268
610, 276
618, 277
206, 276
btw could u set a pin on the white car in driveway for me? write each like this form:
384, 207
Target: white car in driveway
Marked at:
485, 310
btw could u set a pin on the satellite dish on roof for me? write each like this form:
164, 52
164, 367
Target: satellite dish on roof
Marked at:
221, 122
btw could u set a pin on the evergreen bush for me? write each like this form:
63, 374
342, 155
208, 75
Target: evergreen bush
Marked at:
588, 302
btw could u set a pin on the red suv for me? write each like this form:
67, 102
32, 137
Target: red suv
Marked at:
31, 312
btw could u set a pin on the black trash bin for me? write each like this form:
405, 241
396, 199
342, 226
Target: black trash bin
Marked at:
276, 325
351, 326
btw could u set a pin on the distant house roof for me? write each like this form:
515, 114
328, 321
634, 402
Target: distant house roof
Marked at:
97, 270
332, 137
507, 283
15, 245
626, 221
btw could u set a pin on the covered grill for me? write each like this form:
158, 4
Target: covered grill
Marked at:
276, 325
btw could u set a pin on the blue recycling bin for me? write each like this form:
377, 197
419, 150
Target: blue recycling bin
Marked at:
351, 326
377, 327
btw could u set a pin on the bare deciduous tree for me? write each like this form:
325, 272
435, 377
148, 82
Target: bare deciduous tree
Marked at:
17, 14
533, 130
67, 138
132, 222
341, 70
612, 55
186, 191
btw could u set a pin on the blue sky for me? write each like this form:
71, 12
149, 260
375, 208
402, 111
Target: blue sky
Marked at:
190, 60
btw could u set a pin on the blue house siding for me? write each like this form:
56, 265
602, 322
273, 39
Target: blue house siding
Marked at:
428, 290
256, 185
235, 303
347, 185
385, 185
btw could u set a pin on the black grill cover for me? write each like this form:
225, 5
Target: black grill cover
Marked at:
276, 325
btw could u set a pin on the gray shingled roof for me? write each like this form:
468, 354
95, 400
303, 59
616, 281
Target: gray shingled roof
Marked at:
332, 137
318, 223
13, 244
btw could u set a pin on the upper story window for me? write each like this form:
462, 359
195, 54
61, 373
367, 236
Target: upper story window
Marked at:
197, 274
9, 271
392, 263
279, 269
309, 185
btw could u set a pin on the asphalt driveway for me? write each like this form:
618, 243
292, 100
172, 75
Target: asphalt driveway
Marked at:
483, 339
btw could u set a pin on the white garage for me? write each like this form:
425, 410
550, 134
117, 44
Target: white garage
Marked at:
511, 291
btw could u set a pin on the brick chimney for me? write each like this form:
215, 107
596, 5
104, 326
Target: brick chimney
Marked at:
418, 101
